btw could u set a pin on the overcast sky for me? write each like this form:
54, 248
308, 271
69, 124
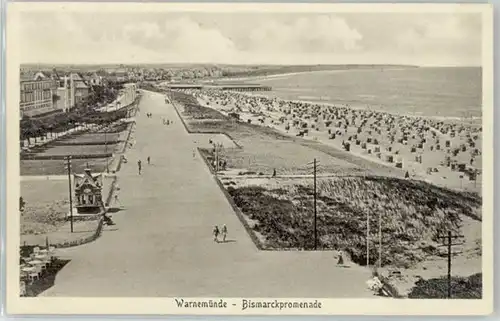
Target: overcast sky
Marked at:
436, 39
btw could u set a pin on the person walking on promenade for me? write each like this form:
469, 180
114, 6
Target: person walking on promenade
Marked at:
117, 201
149, 160
224, 233
341, 258
216, 233
139, 166
194, 153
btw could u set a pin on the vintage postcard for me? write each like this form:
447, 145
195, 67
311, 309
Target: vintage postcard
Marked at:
249, 159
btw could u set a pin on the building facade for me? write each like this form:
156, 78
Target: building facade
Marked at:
37, 97
95, 80
82, 91
88, 192
65, 94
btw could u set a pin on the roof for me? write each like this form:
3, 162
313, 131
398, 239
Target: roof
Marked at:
81, 85
27, 76
88, 178
76, 76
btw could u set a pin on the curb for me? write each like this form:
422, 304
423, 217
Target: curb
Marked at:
82, 241
200, 132
235, 208
120, 160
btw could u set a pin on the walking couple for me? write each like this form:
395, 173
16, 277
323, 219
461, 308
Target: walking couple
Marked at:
218, 232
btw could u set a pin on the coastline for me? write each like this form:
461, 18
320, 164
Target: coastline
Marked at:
288, 74
419, 171
456, 119
451, 119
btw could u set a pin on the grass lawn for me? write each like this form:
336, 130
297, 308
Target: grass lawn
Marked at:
264, 149
93, 138
57, 167
77, 150
411, 214
47, 203
61, 233
44, 192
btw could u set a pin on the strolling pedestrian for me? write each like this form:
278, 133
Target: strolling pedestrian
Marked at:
149, 160
194, 153
117, 201
216, 233
274, 172
139, 166
341, 258
224, 233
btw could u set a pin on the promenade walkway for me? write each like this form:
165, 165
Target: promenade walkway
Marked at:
162, 244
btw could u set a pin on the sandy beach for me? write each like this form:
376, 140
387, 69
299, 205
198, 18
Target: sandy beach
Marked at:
443, 152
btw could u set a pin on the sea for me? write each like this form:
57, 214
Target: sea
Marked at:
448, 92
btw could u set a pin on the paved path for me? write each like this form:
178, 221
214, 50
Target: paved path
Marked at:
162, 243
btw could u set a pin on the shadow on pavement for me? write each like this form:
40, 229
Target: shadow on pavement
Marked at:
115, 209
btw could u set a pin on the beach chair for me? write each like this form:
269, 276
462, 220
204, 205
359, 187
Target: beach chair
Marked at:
33, 276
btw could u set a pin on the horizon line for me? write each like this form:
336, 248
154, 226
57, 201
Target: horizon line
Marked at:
243, 64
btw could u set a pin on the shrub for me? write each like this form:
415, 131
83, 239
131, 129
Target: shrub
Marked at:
461, 288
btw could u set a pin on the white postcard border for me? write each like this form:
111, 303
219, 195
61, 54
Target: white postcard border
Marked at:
157, 306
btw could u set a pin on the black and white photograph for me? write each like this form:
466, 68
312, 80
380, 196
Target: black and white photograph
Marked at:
249, 159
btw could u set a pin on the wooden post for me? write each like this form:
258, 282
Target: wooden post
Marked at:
379, 239
315, 211
368, 238
68, 164
449, 264
448, 243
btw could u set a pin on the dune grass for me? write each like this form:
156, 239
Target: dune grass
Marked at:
411, 215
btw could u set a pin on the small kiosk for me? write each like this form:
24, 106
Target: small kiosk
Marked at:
88, 193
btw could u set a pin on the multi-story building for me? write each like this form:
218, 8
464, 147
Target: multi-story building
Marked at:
65, 94
37, 96
81, 91
95, 79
